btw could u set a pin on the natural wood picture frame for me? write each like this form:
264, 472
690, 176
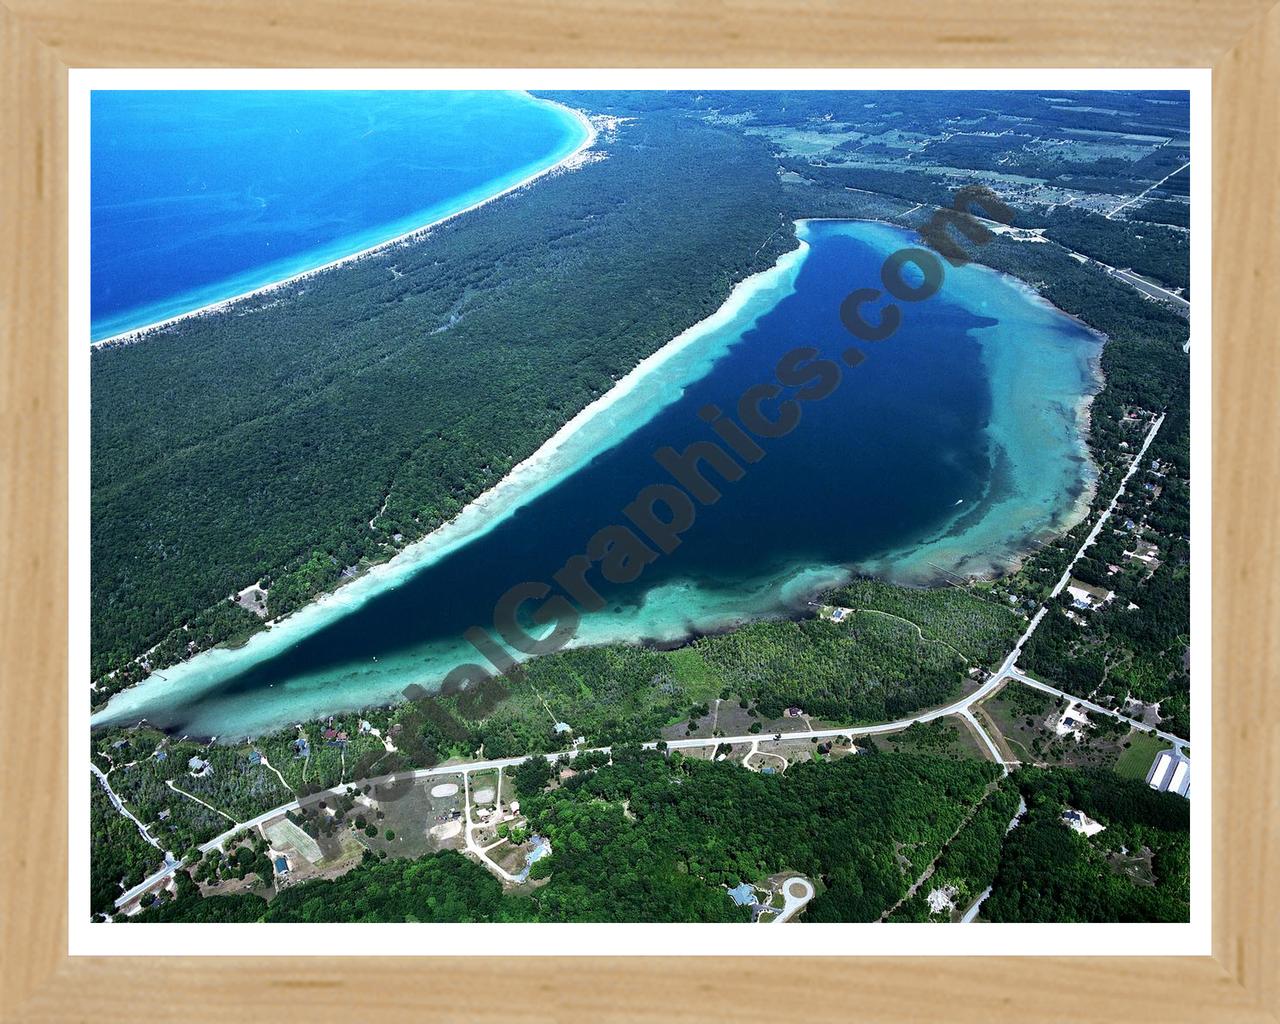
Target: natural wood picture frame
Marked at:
42, 39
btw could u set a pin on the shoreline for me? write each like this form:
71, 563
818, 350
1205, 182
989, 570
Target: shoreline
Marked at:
137, 334
971, 566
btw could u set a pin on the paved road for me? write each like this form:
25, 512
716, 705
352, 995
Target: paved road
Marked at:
1148, 287
1140, 195
972, 912
1035, 684
1106, 513
968, 715
796, 892
119, 806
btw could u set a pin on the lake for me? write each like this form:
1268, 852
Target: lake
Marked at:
954, 446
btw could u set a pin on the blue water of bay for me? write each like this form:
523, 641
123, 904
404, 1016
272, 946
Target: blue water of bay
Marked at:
200, 196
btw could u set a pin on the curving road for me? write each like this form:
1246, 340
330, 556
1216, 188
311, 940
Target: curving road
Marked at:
1008, 671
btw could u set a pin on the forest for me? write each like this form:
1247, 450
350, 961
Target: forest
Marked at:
651, 837
1138, 869
304, 431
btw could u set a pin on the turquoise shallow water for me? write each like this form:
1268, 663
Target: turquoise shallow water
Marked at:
201, 196
955, 444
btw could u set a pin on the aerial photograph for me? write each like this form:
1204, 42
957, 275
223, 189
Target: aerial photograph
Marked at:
758, 507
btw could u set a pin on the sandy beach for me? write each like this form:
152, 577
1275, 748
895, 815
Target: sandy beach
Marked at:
569, 161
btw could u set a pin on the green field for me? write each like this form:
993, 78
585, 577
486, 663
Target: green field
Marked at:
1135, 762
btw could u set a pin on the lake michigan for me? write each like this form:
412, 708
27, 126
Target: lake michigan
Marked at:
200, 196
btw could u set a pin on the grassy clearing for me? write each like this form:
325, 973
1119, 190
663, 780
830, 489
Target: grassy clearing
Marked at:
981, 630
1135, 761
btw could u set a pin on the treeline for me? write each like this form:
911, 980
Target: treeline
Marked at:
121, 858
1149, 249
870, 668
1136, 645
444, 887
867, 669
1162, 211
652, 837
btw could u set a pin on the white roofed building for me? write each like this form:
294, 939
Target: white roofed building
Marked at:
1171, 773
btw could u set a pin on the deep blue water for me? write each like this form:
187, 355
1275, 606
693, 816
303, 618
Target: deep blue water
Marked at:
201, 196
878, 465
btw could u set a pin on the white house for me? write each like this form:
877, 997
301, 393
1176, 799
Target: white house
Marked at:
1080, 822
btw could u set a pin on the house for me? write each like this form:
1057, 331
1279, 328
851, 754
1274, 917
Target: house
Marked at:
1080, 822
942, 900
794, 712
199, 767
1074, 722
301, 747
562, 727
255, 757
838, 614
744, 895
1085, 596
164, 815
282, 865
161, 755
1146, 552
